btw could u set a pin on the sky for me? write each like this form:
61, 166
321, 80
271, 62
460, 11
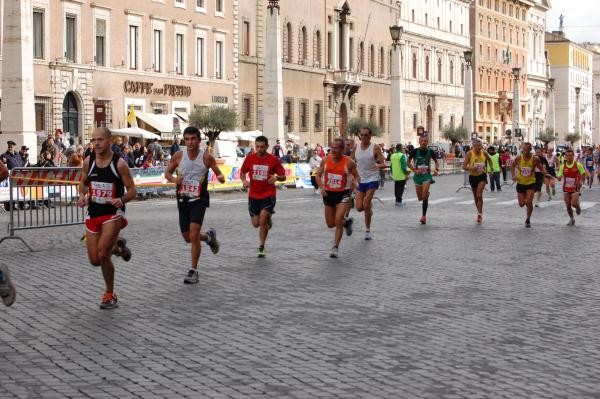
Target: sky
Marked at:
582, 19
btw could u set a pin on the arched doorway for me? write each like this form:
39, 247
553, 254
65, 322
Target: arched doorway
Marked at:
430, 123
343, 122
70, 115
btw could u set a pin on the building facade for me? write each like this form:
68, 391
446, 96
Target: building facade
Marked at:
500, 41
93, 61
336, 64
537, 76
571, 67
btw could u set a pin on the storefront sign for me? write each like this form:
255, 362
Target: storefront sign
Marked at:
147, 88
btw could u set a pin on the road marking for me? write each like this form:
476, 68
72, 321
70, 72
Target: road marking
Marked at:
471, 202
546, 204
440, 200
587, 204
511, 202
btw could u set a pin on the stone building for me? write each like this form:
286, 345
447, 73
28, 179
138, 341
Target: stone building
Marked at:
92, 61
336, 64
500, 41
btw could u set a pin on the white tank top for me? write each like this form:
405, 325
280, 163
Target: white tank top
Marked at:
194, 174
366, 164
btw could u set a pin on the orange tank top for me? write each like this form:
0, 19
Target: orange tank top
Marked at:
336, 174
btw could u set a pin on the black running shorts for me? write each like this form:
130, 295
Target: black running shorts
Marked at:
190, 212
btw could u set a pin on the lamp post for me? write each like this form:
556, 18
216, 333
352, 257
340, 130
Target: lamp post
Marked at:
596, 138
578, 115
396, 125
468, 92
516, 103
550, 113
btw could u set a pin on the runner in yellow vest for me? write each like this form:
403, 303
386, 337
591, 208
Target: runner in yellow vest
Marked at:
475, 163
522, 171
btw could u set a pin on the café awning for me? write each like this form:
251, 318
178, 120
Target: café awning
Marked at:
162, 123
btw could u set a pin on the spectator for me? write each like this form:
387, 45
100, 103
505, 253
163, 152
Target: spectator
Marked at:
314, 162
45, 160
58, 140
128, 156
154, 148
11, 158
320, 151
71, 149
88, 150
24, 155
139, 153
505, 163
174, 147
148, 160
303, 153
75, 161
277, 150
287, 158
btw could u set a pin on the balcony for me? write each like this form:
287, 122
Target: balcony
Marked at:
347, 81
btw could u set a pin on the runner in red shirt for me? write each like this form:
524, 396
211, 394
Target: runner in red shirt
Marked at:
573, 172
264, 169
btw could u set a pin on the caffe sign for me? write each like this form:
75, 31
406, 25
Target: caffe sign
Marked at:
147, 88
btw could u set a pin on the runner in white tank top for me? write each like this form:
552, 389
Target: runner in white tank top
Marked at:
192, 165
369, 159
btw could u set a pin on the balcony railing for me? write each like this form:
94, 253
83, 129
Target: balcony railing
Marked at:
347, 78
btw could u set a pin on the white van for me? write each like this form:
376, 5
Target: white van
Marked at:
227, 150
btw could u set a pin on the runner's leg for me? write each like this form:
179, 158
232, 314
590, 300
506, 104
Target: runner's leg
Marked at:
425, 196
263, 221
568, 203
368, 208
108, 237
338, 212
529, 202
521, 199
479, 197
195, 238
359, 201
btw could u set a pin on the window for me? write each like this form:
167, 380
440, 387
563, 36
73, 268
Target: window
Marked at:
427, 67
414, 65
287, 42
303, 115
100, 42
246, 38
439, 69
381, 121
361, 111
361, 56
288, 113
219, 6
351, 51
70, 37
219, 59
452, 72
440, 122
180, 3
303, 46
381, 62
199, 56
133, 47
247, 107
157, 50
414, 121
318, 49
200, 4
318, 124
179, 54
372, 114
462, 74
372, 60
38, 34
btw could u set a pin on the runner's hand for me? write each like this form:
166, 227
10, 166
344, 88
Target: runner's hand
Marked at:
117, 203
82, 202
271, 180
246, 184
179, 180
323, 193
436, 172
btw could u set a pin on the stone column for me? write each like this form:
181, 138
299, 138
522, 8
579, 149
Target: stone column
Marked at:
345, 46
18, 107
517, 103
273, 81
596, 132
578, 114
335, 53
396, 125
469, 99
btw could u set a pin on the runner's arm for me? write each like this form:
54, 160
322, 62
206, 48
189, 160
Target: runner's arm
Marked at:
212, 164
559, 174
436, 163
83, 188
380, 160
513, 167
319, 175
410, 162
466, 162
489, 162
173, 164
279, 174
355, 176
127, 182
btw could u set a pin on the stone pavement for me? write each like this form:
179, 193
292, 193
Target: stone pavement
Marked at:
446, 310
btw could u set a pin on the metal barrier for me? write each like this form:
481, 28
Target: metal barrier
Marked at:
43, 197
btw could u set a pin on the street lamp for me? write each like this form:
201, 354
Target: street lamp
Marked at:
577, 112
468, 57
396, 32
468, 112
396, 126
516, 104
551, 84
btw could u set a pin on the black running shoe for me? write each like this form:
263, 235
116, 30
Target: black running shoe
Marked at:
213, 243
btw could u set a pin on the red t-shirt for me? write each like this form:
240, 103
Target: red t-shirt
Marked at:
260, 170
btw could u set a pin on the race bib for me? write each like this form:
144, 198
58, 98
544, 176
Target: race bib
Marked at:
423, 168
334, 181
190, 188
570, 182
479, 166
102, 193
525, 171
260, 172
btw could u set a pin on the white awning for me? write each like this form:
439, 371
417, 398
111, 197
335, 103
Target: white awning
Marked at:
162, 123
135, 132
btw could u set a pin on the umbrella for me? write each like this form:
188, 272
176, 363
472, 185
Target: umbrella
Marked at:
135, 132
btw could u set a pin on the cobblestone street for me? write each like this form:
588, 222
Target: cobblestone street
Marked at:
445, 310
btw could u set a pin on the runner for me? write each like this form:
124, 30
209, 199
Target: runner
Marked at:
419, 161
265, 169
495, 170
573, 173
525, 165
337, 177
475, 163
399, 171
589, 166
540, 175
192, 165
369, 160
105, 187
550, 179
8, 292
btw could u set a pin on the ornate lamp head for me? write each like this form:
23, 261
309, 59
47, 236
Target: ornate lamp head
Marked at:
468, 56
273, 4
396, 32
516, 72
551, 83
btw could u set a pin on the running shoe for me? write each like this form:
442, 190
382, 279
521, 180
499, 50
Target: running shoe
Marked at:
7, 289
334, 252
124, 251
578, 210
348, 226
109, 301
212, 242
423, 220
368, 236
479, 219
261, 252
528, 224
192, 277
571, 222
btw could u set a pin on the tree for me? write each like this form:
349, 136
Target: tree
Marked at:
547, 136
573, 138
455, 134
213, 120
355, 124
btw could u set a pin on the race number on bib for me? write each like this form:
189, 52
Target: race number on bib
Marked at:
525, 171
260, 172
334, 181
570, 182
190, 188
479, 166
423, 168
102, 193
